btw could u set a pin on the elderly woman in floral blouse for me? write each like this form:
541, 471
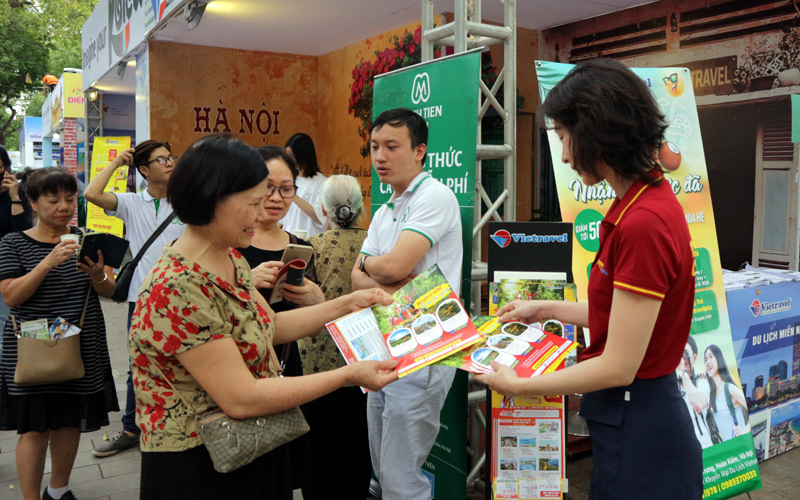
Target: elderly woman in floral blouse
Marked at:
201, 322
339, 420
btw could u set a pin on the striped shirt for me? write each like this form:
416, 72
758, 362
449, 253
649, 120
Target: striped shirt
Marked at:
61, 293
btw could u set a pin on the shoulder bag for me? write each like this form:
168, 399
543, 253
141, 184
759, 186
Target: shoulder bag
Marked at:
47, 361
126, 273
233, 443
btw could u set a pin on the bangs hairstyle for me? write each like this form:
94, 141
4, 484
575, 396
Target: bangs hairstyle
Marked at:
612, 118
276, 152
404, 117
141, 153
212, 169
50, 181
305, 153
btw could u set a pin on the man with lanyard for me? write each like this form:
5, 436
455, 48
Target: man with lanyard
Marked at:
142, 213
419, 226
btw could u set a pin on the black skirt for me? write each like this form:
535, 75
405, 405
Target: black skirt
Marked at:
190, 474
44, 412
643, 443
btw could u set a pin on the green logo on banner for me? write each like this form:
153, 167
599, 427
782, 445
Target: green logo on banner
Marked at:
587, 229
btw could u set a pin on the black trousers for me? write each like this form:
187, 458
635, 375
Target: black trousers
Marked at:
643, 442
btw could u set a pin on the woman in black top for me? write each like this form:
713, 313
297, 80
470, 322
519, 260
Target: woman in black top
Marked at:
264, 257
15, 211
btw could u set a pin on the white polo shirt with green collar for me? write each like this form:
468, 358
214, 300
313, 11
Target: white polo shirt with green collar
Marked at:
429, 208
142, 214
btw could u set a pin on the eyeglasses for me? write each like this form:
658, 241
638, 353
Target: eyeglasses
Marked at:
161, 160
673, 78
284, 191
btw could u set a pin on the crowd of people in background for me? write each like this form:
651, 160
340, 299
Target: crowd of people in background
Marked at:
204, 330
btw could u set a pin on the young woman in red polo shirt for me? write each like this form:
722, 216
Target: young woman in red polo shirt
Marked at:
641, 292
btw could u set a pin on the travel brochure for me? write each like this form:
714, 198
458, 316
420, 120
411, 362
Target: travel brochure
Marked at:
528, 349
425, 323
38, 329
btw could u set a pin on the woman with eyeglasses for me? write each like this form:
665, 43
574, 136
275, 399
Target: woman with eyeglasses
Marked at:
264, 257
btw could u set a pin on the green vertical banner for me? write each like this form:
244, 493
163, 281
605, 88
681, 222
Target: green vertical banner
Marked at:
729, 467
445, 93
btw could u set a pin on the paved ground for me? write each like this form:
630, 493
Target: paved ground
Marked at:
117, 477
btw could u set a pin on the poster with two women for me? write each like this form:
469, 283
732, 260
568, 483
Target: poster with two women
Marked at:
707, 375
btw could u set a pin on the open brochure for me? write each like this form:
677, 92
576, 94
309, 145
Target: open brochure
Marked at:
425, 323
506, 290
292, 272
528, 349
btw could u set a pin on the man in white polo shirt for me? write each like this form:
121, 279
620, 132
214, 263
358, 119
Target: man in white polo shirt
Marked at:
419, 226
142, 213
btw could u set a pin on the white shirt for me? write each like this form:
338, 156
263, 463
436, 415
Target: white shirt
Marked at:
141, 217
310, 190
431, 209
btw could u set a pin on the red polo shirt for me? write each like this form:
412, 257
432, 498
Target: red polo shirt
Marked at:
645, 248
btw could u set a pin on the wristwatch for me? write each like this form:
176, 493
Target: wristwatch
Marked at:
361, 264
16, 202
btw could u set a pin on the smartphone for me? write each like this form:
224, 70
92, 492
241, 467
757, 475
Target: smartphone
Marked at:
294, 251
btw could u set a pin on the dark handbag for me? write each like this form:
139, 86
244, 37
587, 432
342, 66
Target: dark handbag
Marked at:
126, 273
234, 443
42, 361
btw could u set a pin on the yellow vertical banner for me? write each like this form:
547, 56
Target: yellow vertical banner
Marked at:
104, 151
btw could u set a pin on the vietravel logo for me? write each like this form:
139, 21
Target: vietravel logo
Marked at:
503, 238
763, 308
421, 88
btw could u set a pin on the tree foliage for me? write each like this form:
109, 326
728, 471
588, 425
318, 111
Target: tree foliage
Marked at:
36, 38
24, 49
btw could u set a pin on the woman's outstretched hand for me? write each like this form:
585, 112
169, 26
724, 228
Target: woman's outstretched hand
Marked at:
373, 375
368, 298
504, 380
526, 311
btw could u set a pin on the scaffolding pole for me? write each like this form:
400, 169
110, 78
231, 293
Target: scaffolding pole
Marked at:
467, 31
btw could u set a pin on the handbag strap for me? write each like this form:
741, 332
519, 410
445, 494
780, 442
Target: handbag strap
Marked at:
177, 392
83, 313
152, 238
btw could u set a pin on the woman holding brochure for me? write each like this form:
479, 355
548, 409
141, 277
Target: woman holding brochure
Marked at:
641, 293
201, 326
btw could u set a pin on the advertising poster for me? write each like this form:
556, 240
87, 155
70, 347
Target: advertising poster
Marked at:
445, 93
730, 467
527, 447
765, 324
104, 151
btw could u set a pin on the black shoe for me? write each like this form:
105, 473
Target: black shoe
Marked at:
66, 496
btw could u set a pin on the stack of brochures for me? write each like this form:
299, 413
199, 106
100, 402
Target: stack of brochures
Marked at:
39, 329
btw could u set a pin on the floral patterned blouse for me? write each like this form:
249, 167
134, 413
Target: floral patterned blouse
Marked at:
181, 306
335, 253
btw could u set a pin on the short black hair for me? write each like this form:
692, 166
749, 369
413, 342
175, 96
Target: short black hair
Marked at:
276, 152
305, 153
213, 168
404, 117
141, 153
611, 116
50, 181
5, 160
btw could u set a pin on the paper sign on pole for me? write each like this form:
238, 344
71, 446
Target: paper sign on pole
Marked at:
104, 151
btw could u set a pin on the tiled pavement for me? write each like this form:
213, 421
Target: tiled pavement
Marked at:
117, 477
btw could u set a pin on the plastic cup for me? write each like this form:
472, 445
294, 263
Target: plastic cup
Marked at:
71, 237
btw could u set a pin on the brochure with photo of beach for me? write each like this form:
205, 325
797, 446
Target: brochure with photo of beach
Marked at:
528, 349
425, 323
